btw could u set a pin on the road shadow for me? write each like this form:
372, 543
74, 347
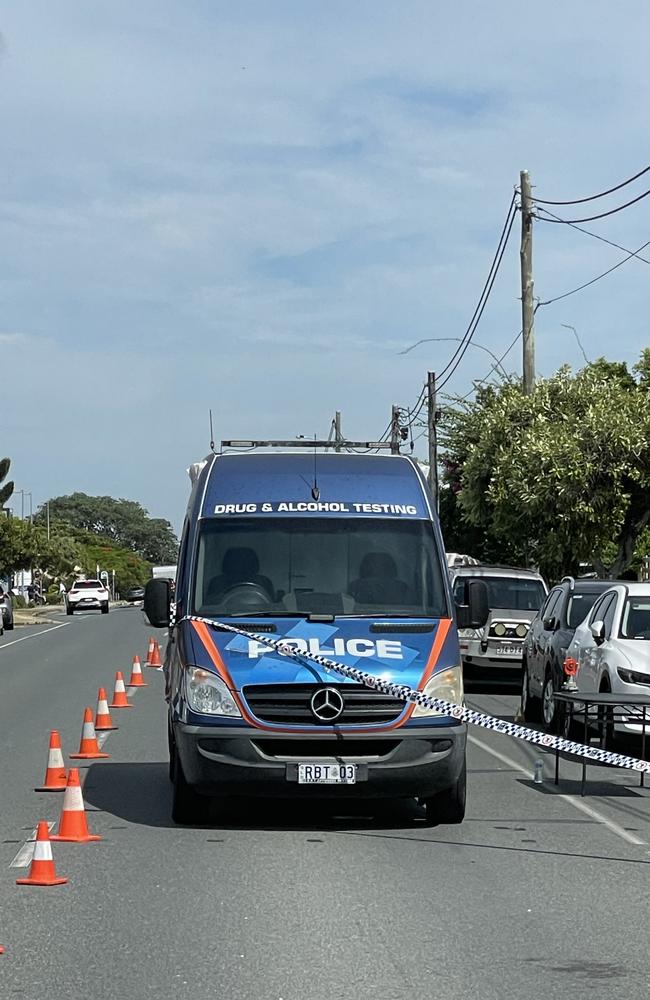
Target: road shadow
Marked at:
140, 793
572, 786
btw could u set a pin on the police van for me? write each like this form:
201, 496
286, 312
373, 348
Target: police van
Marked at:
338, 557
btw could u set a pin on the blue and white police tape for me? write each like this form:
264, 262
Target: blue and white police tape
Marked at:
458, 712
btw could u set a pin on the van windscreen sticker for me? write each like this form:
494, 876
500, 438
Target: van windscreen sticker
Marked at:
317, 507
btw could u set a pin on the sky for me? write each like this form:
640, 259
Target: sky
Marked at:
255, 207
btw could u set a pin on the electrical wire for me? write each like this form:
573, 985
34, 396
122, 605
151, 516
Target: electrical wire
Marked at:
594, 197
463, 350
494, 366
603, 215
596, 236
458, 354
593, 281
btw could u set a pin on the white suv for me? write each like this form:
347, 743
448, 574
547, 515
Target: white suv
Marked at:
87, 594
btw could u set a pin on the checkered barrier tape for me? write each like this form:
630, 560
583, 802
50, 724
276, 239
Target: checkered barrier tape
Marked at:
458, 712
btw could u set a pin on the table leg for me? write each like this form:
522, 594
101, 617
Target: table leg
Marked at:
557, 767
642, 779
584, 759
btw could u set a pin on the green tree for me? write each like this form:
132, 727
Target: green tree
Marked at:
559, 476
8, 488
125, 523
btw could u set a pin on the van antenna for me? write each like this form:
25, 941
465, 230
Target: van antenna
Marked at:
211, 434
315, 492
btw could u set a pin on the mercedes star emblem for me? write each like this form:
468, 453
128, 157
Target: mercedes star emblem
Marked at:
327, 704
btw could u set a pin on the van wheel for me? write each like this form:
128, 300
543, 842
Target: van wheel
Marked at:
172, 753
530, 707
447, 806
188, 808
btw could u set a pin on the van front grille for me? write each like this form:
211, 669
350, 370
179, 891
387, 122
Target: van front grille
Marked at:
290, 704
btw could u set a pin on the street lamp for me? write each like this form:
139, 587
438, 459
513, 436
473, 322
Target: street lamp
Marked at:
23, 494
458, 340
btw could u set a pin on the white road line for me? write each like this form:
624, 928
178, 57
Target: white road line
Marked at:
34, 635
573, 800
24, 857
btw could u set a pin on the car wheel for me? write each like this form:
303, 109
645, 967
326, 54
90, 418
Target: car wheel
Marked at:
69, 610
549, 707
530, 707
9, 625
188, 808
172, 753
104, 609
447, 806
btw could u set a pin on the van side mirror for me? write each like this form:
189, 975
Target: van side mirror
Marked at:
597, 630
157, 598
476, 612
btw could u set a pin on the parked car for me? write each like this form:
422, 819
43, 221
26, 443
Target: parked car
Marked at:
6, 611
612, 647
546, 646
514, 598
134, 595
85, 594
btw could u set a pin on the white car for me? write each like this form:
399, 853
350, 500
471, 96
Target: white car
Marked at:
612, 646
87, 594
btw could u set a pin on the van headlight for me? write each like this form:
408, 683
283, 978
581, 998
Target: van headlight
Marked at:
208, 695
446, 684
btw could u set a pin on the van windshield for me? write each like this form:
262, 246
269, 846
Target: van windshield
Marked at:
364, 566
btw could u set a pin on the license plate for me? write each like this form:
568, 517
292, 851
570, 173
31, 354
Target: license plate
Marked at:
508, 650
327, 774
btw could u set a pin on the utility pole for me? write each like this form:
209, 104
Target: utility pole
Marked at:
526, 260
433, 438
394, 431
338, 437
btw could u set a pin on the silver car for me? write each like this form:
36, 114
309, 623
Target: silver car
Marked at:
514, 597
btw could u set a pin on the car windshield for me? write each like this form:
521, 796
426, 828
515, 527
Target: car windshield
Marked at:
318, 566
579, 607
509, 593
635, 623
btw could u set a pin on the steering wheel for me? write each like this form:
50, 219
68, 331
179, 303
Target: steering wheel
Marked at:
248, 595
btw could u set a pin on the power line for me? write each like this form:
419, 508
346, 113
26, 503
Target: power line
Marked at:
593, 281
463, 349
594, 197
596, 236
602, 215
458, 354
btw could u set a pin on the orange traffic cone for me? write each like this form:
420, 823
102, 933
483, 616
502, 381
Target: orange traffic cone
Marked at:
72, 822
42, 871
150, 649
88, 748
55, 770
153, 658
103, 719
137, 680
120, 699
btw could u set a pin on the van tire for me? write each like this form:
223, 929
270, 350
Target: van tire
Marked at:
447, 806
188, 808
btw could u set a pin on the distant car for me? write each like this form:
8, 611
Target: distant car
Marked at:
514, 598
612, 647
134, 594
547, 643
85, 594
7, 612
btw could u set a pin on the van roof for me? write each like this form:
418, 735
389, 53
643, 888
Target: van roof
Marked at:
331, 484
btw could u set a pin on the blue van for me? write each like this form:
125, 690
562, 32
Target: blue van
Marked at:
341, 557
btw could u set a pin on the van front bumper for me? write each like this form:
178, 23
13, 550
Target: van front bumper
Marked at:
391, 764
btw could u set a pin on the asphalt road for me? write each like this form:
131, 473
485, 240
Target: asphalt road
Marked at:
538, 894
